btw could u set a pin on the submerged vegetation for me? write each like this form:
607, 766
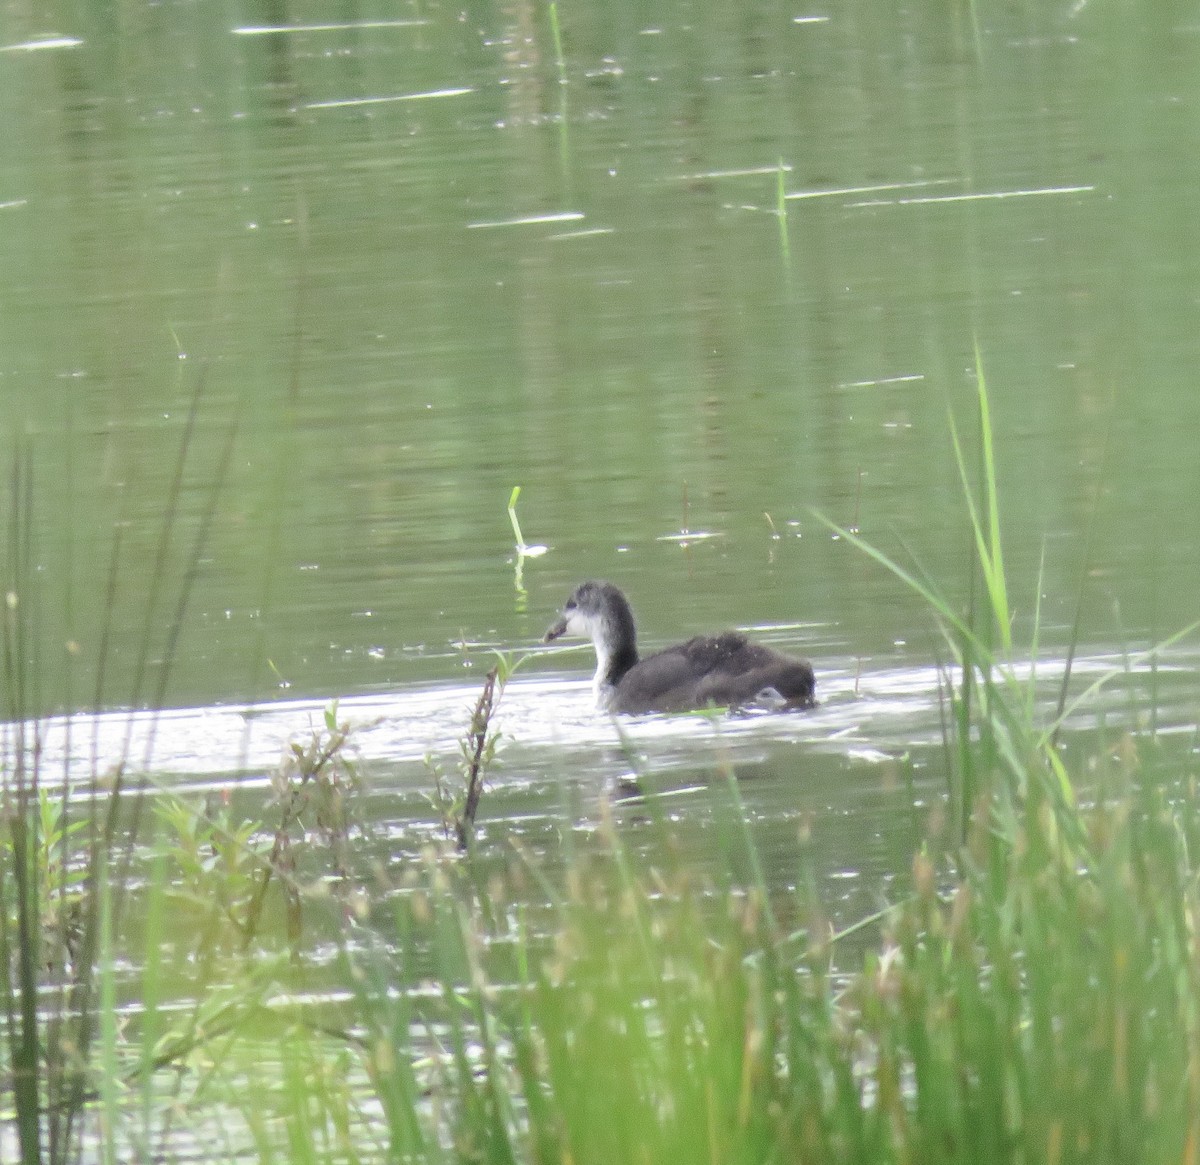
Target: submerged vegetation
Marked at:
1032, 995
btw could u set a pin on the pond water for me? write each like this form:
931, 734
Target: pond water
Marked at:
718, 270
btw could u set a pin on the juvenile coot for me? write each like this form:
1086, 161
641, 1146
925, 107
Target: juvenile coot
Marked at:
724, 670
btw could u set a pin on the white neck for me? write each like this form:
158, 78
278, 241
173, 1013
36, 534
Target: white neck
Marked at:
602, 688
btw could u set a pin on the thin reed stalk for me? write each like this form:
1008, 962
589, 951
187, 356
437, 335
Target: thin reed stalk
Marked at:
64, 865
476, 753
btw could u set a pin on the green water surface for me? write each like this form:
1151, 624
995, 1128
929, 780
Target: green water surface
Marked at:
718, 262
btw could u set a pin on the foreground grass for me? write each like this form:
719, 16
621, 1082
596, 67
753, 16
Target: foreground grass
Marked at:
1040, 1004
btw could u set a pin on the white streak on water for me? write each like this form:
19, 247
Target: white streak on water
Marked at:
348, 102
745, 172
686, 537
527, 220
978, 197
836, 192
347, 26
883, 380
584, 234
50, 42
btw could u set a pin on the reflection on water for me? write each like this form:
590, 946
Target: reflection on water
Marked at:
549, 723
861, 775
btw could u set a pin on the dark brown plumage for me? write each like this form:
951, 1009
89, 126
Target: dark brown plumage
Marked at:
725, 670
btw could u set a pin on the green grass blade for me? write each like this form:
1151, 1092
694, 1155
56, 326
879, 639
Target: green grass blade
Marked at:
998, 587
106, 1062
986, 539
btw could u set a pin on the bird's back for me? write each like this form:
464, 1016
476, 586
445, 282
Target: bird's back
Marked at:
725, 670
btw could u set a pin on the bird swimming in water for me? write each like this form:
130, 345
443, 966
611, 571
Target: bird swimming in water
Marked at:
725, 670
